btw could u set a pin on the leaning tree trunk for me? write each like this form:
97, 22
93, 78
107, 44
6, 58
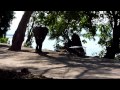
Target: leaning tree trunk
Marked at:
19, 35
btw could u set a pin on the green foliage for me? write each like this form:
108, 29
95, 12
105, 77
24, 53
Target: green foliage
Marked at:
64, 23
5, 20
88, 35
4, 40
117, 57
102, 53
28, 44
105, 35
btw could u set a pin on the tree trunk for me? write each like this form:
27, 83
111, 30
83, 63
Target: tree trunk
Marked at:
19, 35
111, 51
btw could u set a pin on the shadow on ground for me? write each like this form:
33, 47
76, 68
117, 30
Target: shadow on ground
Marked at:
91, 65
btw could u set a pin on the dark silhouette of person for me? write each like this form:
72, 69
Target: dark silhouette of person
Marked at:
39, 34
75, 41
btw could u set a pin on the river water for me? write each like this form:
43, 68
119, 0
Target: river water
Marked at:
91, 48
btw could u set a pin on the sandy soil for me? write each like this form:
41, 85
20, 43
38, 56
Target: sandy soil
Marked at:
58, 65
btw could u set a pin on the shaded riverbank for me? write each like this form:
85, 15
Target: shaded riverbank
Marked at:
58, 65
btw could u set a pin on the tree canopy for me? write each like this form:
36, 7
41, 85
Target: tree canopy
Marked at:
5, 20
64, 23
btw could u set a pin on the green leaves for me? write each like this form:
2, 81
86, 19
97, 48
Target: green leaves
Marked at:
60, 20
105, 34
65, 23
5, 20
3, 40
88, 35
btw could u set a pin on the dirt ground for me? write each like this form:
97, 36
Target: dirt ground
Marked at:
58, 65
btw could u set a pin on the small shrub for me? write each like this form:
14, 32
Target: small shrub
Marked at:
117, 57
28, 45
4, 40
